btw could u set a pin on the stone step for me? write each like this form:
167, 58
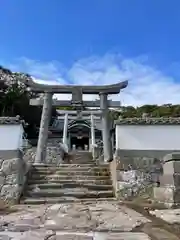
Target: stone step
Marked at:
65, 165
82, 163
31, 201
88, 164
72, 177
69, 181
77, 193
70, 185
83, 159
72, 169
71, 173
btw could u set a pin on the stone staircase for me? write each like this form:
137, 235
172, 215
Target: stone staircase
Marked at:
81, 179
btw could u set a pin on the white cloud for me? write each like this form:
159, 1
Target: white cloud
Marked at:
147, 85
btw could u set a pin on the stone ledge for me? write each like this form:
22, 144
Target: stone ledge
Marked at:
12, 175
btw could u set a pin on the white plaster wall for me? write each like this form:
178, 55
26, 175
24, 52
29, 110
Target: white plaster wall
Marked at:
156, 137
11, 137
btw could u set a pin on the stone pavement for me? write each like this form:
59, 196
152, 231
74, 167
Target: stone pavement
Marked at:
171, 216
85, 221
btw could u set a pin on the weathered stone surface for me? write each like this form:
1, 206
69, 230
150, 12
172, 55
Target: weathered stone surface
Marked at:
138, 160
160, 234
12, 179
2, 179
76, 217
5, 237
130, 183
13, 174
171, 167
10, 166
134, 163
29, 155
169, 215
1, 161
169, 192
168, 195
49, 235
73, 221
170, 180
121, 236
135, 173
54, 153
94, 217
28, 235
130, 176
71, 236
10, 192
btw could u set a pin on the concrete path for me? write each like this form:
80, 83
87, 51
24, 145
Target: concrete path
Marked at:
86, 221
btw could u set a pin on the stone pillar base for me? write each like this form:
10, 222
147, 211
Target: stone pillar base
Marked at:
169, 191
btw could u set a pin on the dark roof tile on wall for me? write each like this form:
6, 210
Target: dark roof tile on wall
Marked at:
149, 121
11, 120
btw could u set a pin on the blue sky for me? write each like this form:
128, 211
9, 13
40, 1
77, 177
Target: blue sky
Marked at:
96, 41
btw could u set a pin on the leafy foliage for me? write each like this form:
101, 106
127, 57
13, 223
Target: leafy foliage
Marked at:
166, 110
15, 97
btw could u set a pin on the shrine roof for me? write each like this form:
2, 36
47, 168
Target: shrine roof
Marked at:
109, 89
11, 120
149, 121
58, 124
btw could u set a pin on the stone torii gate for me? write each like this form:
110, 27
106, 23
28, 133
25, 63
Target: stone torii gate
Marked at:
77, 101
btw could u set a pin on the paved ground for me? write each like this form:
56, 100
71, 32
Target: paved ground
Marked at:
72, 221
171, 216
87, 221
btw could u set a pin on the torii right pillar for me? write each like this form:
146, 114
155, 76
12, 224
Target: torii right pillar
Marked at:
106, 137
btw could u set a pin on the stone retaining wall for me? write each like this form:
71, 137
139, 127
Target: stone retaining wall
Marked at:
168, 191
145, 162
141, 159
133, 171
15, 165
54, 154
13, 171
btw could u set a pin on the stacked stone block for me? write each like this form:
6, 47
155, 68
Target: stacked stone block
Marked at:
12, 175
169, 190
15, 165
54, 154
133, 175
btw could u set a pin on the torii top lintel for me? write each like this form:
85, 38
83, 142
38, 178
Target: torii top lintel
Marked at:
68, 89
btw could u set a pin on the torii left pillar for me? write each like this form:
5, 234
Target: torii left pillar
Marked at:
93, 140
43, 132
65, 131
106, 137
